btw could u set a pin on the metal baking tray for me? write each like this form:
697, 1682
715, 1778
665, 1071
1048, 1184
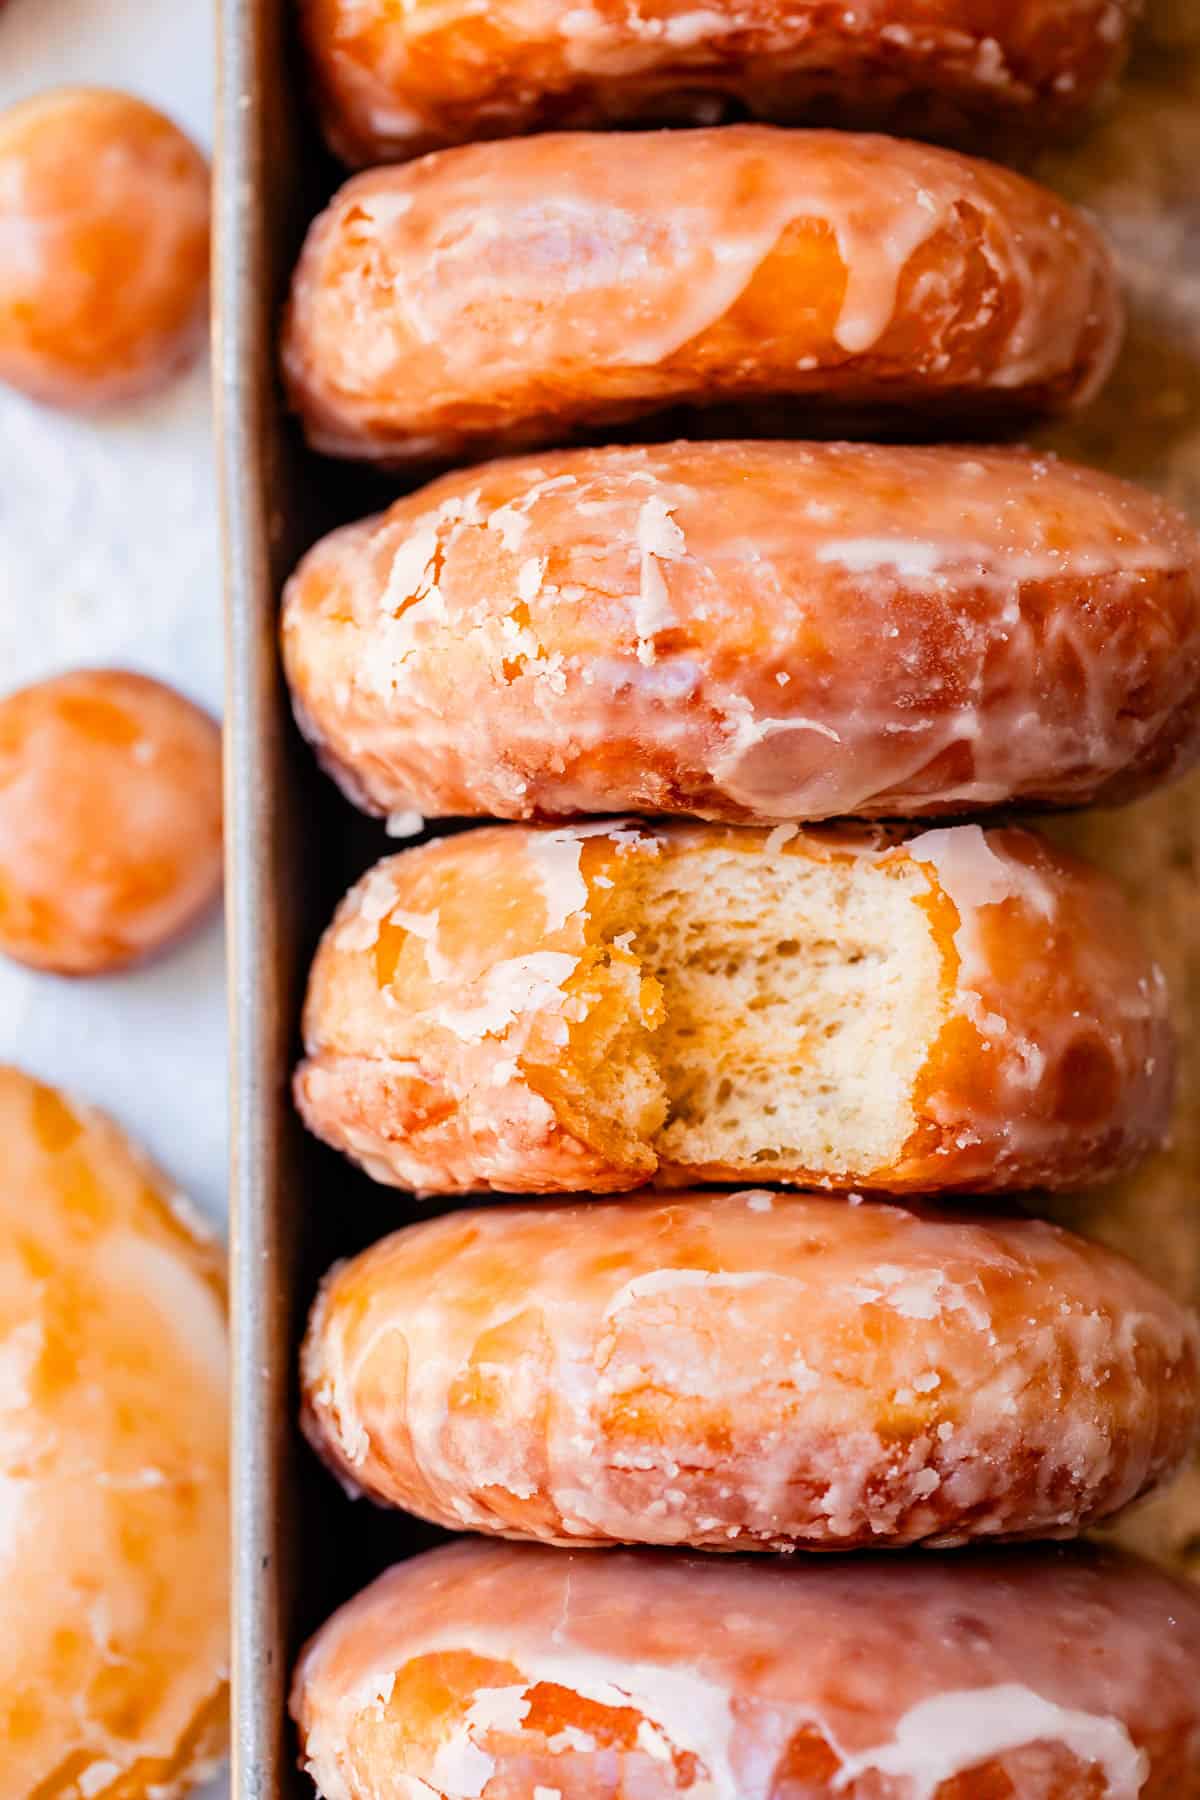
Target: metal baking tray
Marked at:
294, 844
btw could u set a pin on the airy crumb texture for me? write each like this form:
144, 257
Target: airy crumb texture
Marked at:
594, 1007
761, 1010
798, 1002
749, 1371
513, 1671
114, 1613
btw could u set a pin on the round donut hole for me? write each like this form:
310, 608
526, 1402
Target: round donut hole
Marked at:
110, 820
104, 215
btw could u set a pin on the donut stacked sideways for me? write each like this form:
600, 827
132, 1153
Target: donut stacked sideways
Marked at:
755, 987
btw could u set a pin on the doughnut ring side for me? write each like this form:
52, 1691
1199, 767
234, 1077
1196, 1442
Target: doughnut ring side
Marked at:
1066, 1674
749, 1371
752, 632
395, 83
520, 293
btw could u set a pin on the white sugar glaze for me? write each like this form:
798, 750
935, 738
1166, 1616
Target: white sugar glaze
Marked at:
531, 286
754, 631
908, 1674
937, 1740
866, 1372
943, 1737
993, 879
718, 239
718, 236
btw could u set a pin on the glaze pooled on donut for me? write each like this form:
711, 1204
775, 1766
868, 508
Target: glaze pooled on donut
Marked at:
749, 1371
114, 1610
515, 293
595, 1007
510, 1672
752, 631
396, 82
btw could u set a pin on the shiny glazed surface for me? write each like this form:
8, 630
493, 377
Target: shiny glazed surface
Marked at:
113, 1465
749, 1371
509, 294
510, 1672
110, 819
104, 217
752, 631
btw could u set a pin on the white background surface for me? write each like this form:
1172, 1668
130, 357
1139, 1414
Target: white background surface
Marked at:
109, 554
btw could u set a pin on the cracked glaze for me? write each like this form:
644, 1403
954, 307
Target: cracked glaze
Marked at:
749, 1371
752, 631
501, 1672
451, 1069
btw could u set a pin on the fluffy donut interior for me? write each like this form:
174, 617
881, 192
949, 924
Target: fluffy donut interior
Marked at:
766, 1009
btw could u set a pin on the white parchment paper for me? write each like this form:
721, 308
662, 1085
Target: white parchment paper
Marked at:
109, 554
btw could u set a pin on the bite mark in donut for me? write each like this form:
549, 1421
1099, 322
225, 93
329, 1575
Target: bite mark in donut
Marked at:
601, 1006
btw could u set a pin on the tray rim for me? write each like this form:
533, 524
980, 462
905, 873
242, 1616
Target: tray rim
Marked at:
258, 1690
255, 94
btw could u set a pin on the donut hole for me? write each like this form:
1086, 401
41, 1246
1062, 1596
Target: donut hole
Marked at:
110, 820
104, 211
777, 1010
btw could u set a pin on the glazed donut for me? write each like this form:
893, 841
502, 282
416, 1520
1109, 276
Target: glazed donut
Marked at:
596, 1007
513, 1671
746, 1371
752, 631
113, 1464
517, 293
396, 82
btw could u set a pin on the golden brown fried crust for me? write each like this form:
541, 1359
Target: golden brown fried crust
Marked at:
749, 1371
518, 293
439, 1057
752, 632
397, 82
